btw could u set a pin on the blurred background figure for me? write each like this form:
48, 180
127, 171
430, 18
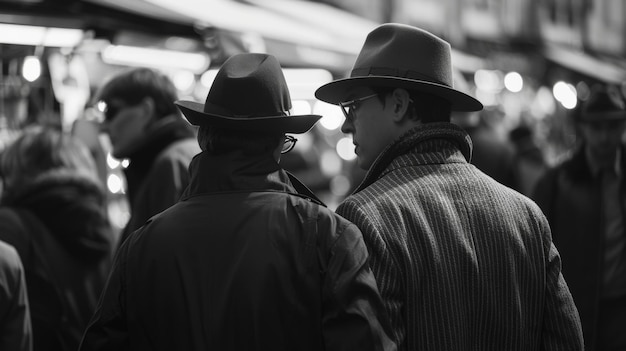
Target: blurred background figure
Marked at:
145, 127
492, 152
15, 328
53, 211
528, 160
584, 200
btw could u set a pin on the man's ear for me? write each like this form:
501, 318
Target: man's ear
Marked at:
400, 102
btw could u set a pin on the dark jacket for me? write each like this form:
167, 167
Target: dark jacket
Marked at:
158, 171
242, 262
462, 262
59, 226
16, 333
570, 196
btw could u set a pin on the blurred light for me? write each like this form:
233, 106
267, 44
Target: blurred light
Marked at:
118, 214
514, 82
486, 98
345, 149
340, 185
101, 106
300, 107
114, 183
330, 163
112, 162
332, 118
31, 70
303, 82
208, 77
138, 56
488, 80
125, 163
544, 103
183, 80
565, 93
35, 35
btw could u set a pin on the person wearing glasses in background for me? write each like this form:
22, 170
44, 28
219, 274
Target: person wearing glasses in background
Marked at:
248, 259
145, 127
462, 261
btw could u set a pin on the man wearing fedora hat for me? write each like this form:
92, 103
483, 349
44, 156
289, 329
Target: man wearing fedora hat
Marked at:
584, 199
462, 261
248, 259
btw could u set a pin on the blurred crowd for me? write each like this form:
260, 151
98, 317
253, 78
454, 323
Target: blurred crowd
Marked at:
58, 232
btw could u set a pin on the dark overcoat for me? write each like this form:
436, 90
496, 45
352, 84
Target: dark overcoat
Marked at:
570, 196
242, 262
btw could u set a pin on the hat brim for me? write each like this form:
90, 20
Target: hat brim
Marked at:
296, 124
339, 90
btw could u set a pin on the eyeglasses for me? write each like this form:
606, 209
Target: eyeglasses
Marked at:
349, 107
290, 143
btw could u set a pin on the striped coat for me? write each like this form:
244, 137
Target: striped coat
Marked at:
463, 262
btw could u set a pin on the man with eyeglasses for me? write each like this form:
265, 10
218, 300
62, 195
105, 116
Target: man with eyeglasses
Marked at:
145, 127
462, 261
248, 259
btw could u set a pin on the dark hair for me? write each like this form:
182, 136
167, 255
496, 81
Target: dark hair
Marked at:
136, 84
42, 149
425, 107
219, 141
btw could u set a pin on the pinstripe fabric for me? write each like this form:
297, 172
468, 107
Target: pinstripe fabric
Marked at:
463, 262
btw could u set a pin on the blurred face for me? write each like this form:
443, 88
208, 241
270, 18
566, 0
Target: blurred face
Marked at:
369, 124
603, 138
126, 124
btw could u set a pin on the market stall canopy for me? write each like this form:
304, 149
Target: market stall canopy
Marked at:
586, 64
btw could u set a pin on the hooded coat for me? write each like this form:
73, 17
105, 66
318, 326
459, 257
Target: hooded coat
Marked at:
242, 262
462, 261
59, 226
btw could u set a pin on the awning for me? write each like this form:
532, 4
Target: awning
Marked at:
588, 65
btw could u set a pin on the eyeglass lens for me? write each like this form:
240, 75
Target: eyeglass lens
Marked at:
290, 143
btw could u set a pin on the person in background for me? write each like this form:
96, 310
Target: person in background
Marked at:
53, 212
146, 128
249, 259
462, 261
529, 161
492, 151
15, 328
584, 199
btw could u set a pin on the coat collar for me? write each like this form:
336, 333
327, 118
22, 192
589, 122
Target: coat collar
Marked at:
235, 171
428, 143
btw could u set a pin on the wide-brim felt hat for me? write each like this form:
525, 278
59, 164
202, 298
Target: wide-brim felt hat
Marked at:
250, 94
402, 56
603, 104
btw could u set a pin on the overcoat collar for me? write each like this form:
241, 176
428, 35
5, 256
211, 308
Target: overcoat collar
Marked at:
235, 171
430, 142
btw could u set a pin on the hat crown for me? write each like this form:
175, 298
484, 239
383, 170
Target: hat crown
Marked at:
603, 104
403, 51
256, 79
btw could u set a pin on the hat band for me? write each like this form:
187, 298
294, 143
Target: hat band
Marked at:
394, 72
212, 108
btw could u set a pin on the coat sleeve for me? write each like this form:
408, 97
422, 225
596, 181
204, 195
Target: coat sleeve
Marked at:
107, 329
15, 325
562, 328
353, 313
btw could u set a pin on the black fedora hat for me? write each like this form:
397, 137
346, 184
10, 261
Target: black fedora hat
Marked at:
249, 93
401, 56
603, 104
